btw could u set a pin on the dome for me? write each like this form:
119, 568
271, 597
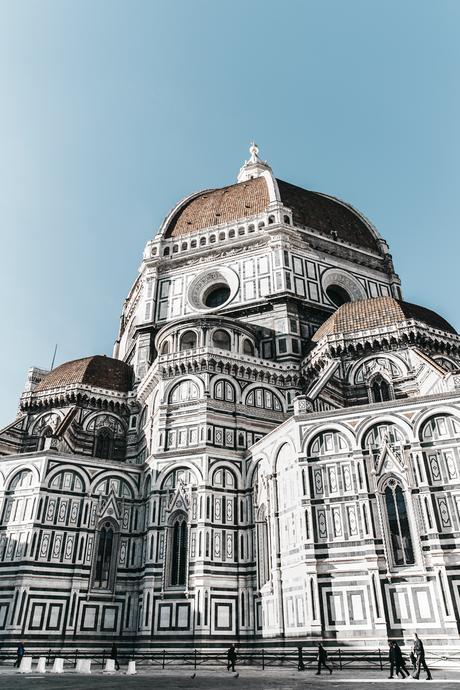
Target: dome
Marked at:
98, 371
378, 312
215, 206
318, 212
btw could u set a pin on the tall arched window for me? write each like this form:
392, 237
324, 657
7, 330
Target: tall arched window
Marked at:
263, 559
104, 444
221, 339
104, 569
188, 340
248, 347
398, 523
380, 390
46, 433
178, 556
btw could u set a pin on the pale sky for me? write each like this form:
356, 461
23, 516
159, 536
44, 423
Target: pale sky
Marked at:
112, 111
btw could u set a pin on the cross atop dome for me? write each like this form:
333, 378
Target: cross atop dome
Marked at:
254, 167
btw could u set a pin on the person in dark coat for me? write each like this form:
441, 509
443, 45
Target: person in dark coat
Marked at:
322, 656
300, 664
419, 653
231, 658
114, 656
20, 652
396, 661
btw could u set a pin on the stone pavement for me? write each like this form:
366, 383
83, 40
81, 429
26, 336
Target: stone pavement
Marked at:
216, 678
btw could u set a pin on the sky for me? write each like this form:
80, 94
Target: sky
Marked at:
110, 112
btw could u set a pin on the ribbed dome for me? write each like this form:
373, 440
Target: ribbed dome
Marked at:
330, 217
376, 313
98, 371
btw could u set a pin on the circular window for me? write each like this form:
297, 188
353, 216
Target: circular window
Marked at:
213, 289
216, 296
341, 287
338, 295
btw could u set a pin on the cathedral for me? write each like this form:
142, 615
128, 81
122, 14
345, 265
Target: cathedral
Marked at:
271, 455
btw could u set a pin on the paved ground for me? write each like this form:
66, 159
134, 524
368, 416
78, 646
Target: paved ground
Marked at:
211, 679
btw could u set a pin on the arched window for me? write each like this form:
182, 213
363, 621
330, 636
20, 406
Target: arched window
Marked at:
165, 348
104, 444
188, 340
184, 391
248, 348
178, 555
380, 390
221, 340
166, 251
398, 523
223, 390
46, 433
263, 555
263, 397
104, 567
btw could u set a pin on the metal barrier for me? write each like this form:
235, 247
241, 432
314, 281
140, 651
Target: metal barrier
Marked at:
339, 658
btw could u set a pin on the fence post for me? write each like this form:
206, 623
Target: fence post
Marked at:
76, 658
163, 658
263, 659
340, 658
380, 660
103, 658
194, 659
48, 660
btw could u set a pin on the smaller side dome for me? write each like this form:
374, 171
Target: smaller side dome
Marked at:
98, 370
378, 312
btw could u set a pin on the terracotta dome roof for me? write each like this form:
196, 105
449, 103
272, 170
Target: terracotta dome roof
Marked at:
378, 312
216, 206
97, 371
327, 215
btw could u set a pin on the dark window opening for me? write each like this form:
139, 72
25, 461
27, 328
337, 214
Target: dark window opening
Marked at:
217, 296
179, 553
104, 444
248, 348
381, 390
398, 521
337, 295
104, 557
188, 340
221, 340
46, 433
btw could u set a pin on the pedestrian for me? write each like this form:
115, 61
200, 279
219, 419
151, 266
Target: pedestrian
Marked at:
114, 656
231, 658
419, 653
20, 652
396, 661
322, 656
300, 664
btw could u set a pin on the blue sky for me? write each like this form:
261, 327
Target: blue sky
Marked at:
112, 111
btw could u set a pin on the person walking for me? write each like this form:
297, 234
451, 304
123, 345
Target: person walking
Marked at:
231, 658
114, 655
300, 664
322, 656
396, 661
20, 652
419, 653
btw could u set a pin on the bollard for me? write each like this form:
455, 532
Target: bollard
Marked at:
84, 665
58, 666
131, 669
41, 665
26, 664
109, 666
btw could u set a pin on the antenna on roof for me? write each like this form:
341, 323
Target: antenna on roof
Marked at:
54, 357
